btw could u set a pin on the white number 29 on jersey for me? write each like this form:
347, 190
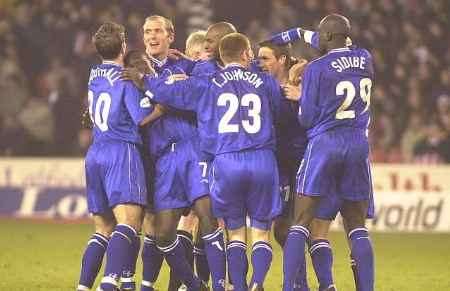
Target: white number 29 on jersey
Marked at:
251, 101
348, 89
102, 106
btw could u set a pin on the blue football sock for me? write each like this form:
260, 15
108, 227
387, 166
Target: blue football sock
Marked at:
261, 260
92, 260
120, 249
301, 280
129, 270
152, 259
176, 259
201, 262
238, 264
215, 254
293, 255
186, 239
322, 260
354, 271
362, 253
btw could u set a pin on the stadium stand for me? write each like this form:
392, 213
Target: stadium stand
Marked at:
45, 51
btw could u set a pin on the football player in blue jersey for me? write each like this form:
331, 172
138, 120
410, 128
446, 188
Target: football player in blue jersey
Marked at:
334, 107
180, 175
116, 190
327, 210
291, 143
139, 60
236, 112
213, 63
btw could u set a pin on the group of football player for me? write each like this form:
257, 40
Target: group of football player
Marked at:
199, 150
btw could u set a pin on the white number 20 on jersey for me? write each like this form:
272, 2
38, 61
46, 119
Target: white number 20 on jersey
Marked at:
348, 89
102, 106
251, 101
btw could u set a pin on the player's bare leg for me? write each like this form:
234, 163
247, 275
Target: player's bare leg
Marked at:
354, 213
152, 257
321, 253
237, 257
95, 250
294, 248
212, 236
122, 245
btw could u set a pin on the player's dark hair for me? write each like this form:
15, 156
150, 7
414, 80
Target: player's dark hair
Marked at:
279, 51
108, 40
131, 58
232, 46
135, 59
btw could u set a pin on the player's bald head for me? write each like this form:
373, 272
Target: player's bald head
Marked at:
334, 29
335, 24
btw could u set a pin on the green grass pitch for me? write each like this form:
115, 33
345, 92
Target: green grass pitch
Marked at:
46, 256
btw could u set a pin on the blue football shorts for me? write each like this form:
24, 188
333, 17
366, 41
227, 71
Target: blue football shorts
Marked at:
114, 175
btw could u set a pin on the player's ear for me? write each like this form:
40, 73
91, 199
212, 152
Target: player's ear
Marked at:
282, 59
171, 38
328, 36
124, 48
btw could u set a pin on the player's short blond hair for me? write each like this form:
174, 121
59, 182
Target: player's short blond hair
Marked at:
195, 39
232, 46
168, 24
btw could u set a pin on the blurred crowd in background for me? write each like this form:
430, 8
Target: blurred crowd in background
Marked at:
46, 52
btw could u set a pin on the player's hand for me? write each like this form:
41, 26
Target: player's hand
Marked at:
86, 121
133, 74
296, 71
176, 54
292, 92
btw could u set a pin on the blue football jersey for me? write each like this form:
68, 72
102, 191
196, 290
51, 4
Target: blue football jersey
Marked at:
175, 125
116, 107
206, 68
336, 91
236, 108
291, 136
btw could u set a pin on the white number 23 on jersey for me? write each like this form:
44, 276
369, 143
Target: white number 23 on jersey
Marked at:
251, 101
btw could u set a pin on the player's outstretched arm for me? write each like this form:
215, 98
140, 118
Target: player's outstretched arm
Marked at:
175, 91
296, 34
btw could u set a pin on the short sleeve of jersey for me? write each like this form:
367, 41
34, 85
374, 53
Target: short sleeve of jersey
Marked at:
370, 67
138, 106
308, 109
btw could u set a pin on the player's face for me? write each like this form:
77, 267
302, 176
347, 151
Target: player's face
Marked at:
268, 62
212, 39
157, 39
196, 52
